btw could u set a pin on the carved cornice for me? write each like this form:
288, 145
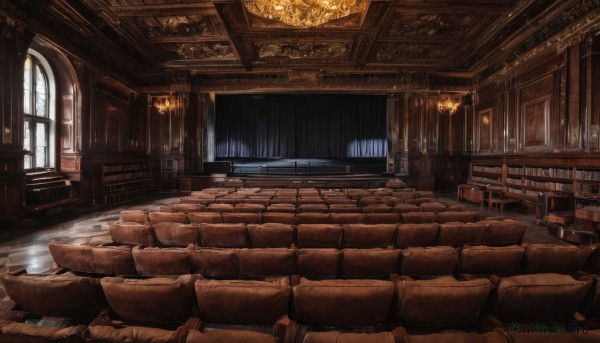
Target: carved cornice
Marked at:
571, 36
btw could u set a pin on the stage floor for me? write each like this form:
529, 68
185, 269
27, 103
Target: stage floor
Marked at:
305, 166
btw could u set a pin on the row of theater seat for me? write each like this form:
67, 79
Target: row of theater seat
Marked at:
389, 201
358, 263
301, 218
428, 206
192, 309
275, 235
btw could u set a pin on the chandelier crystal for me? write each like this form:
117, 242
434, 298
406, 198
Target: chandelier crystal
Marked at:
448, 105
304, 13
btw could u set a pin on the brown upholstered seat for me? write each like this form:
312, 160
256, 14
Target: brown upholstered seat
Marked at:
107, 260
433, 206
176, 234
458, 216
318, 262
229, 336
159, 217
205, 217
319, 236
161, 261
132, 233
377, 208
440, 302
220, 208
348, 337
245, 218
322, 208
279, 217
457, 234
187, 208
429, 261
462, 337
552, 258
382, 218
248, 305
267, 262
223, 235
539, 297
214, 262
370, 263
416, 235
313, 218
369, 235
271, 235
347, 218
418, 217
491, 260
505, 232
405, 208
366, 302
282, 207
344, 208
135, 216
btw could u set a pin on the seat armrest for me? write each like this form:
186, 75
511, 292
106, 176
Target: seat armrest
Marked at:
281, 327
102, 319
400, 334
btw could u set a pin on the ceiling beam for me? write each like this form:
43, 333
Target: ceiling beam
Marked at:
451, 8
164, 10
188, 39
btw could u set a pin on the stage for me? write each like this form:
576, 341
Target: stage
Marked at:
297, 166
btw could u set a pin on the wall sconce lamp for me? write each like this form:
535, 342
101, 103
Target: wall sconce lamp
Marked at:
448, 105
163, 106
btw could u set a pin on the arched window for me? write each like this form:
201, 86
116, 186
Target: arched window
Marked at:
38, 111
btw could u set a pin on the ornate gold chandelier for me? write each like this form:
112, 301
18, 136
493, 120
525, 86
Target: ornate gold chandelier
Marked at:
304, 13
448, 105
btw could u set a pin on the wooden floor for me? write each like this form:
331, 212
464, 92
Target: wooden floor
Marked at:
26, 247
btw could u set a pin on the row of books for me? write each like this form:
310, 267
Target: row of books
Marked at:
109, 168
487, 169
126, 176
560, 173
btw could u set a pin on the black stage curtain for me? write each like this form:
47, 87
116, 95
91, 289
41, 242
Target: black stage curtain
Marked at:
301, 126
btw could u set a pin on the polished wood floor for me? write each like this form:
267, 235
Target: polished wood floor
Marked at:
27, 247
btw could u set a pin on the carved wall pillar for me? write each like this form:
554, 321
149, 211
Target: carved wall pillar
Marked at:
14, 42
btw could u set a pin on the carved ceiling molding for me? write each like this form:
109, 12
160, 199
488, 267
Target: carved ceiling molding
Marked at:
200, 51
304, 50
571, 36
423, 25
179, 26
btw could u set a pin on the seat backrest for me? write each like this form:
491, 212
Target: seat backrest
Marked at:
365, 302
176, 234
161, 261
369, 235
279, 217
243, 302
150, 301
318, 262
267, 262
66, 296
440, 302
416, 235
505, 232
205, 217
214, 262
347, 218
187, 208
457, 234
132, 233
241, 217
458, 216
271, 235
159, 217
429, 261
552, 258
382, 218
319, 235
370, 263
77, 257
135, 216
313, 218
483, 259
223, 235
418, 217
539, 297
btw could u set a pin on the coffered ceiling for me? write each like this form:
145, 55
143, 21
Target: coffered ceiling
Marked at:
434, 44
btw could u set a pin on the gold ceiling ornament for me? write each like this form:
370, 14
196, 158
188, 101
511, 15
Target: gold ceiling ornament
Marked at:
304, 13
448, 105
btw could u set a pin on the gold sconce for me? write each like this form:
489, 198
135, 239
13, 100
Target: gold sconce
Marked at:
163, 106
304, 13
448, 105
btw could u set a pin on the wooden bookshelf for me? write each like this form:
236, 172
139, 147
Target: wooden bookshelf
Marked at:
123, 180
